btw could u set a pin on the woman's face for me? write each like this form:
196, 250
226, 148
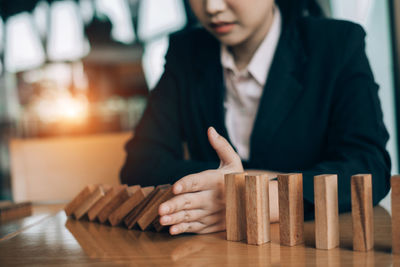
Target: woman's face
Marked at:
234, 22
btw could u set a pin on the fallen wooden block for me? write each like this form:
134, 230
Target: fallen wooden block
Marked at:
326, 211
157, 225
362, 212
257, 209
77, 201
235, 206
10, 211
133, 216
123, 210
395, 183
119, 198
103, 201
291, 209
150, 213
84, 207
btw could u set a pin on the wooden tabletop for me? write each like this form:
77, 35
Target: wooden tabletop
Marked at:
56, 240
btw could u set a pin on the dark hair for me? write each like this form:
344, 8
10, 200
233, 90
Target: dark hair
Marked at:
293, 9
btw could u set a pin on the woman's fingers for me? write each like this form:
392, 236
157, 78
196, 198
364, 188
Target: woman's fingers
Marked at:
183, 216
190, 201
200, 215
204, 225
218, 227
198, 182
226, 153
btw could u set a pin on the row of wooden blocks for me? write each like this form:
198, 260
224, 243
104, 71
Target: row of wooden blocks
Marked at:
116, 205
247, 210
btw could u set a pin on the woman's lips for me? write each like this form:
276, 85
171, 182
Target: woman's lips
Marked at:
223, 27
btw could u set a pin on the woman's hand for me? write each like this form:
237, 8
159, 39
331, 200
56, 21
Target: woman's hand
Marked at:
199, 204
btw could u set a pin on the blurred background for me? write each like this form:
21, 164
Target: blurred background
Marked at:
84, 67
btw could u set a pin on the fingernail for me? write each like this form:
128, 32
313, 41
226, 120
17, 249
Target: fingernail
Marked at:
178, 188
213, 132
174, 230
165, 219
164, 209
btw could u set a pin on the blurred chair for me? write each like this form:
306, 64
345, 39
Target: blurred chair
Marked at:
56, 169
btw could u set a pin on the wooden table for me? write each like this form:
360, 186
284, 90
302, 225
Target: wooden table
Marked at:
57, 240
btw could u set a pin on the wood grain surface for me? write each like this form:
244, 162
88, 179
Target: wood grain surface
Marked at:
395, 182
291, 209
257, 209
362, 212
326, 211
235, 206
61, 241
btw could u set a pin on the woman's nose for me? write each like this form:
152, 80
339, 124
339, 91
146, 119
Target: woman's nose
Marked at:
215, 6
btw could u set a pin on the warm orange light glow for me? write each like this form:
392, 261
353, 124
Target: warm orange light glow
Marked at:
61, 107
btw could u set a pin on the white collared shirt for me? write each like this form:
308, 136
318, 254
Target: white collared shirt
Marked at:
244, 88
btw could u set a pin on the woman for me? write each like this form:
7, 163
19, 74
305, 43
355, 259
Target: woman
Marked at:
290, 91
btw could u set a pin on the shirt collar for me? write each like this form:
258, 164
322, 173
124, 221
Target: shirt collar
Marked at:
262, 59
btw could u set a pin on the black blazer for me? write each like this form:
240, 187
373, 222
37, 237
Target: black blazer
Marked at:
319, 112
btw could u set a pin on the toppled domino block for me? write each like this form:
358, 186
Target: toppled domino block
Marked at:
95, 210
133, 201
98, 193
115, 202
150, 213
134, 215
77, 201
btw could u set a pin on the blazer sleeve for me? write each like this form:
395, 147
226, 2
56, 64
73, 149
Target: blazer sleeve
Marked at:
356, 136
155, 154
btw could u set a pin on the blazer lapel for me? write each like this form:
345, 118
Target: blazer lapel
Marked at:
281, 91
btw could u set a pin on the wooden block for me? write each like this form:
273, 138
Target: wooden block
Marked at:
257, 209
119, 214
326, 211
235, 206
291, 209
395, 183
90, 200
157, 225
362, 212
119, 198
150, 213
10, 211
103, 201
147, 190
133, 216
77, 201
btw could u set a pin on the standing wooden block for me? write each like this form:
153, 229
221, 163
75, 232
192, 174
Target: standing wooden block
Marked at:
91, 200
103, 201
151, 211
116, 201
291, 209
257, 209
395, 182
119, 214
77, 201
132, 218
326, 211
362, 212
235, 206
